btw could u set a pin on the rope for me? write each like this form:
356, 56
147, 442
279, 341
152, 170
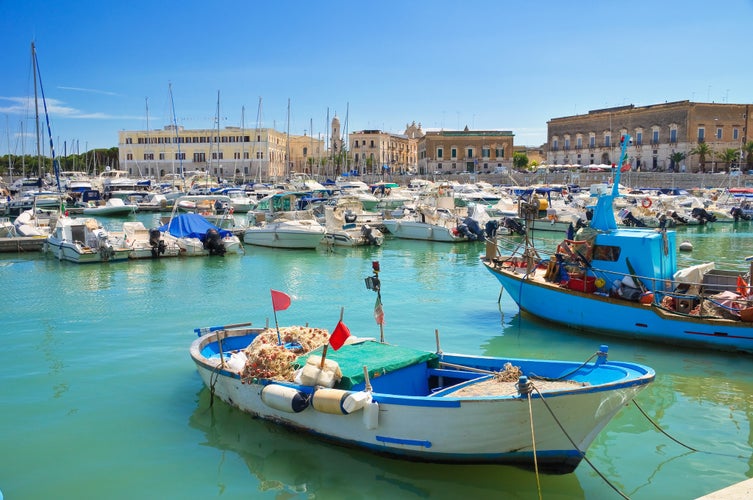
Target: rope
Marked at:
533, 444
566, 375
658, 428
582, 454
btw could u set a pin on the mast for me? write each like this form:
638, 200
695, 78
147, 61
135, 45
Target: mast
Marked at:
243, 144
219, 165
257, 138
286, 173
55, 164
148, 141
175, 128
36, 109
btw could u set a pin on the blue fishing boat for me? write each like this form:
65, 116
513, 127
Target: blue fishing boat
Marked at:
420, 405
626, 282
415, 404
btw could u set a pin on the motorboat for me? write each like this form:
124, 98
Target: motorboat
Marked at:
84, 240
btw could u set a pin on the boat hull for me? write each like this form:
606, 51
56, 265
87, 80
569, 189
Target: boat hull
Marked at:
464, 429
618, 317
414, 230
275, 236
73, 252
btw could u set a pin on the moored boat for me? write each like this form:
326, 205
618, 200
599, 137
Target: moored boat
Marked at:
626, 282
414, 404
83, 240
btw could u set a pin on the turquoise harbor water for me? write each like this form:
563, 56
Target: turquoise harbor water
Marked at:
101, 399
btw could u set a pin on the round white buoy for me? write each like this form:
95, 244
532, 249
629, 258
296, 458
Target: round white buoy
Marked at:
686, 246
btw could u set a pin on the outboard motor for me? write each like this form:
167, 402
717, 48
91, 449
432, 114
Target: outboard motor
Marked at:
678, 218
368, 233
738, 214
514, 226
155, 241
702, 215
630, 221
213, 243
474, 229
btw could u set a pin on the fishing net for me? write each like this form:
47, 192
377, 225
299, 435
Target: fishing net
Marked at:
267, 358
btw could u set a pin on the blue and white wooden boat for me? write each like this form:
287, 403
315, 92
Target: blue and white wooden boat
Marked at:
625, 282
426, 406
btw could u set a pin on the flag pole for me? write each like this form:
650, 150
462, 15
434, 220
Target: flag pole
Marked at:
326, 346
277, 327
381, 323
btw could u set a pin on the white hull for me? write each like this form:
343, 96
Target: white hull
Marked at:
414, 230
286, 234
442, 425
83, 255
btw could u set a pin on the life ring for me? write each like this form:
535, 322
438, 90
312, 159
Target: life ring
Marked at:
646, 203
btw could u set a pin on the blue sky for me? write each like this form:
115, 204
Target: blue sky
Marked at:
509, 65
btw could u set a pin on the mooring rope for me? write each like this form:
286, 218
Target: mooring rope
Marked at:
582, 454
658, 428
533, 440
566, 375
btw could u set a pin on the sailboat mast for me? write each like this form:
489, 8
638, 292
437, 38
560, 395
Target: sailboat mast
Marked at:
36, 109
243, 143
287, 144
175, 127
219, 166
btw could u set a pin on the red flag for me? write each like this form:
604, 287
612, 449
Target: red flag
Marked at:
339, 335
625, 167
378, 311
742, 286
280, 300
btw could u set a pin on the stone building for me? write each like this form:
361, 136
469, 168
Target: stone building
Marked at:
458, 151
377, 152
658, 131
231, 152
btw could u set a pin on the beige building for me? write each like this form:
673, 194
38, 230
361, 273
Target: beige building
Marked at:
657, 132
231, 152
377, 152
474, 151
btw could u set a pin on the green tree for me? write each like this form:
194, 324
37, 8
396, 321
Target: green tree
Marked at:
729, 156
702, 150
520, 161
748, 149
676, 158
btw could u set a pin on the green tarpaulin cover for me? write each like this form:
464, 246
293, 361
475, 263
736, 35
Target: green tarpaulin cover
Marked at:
378, 358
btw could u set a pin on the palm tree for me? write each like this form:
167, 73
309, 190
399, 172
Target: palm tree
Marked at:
702, 150
675, 159
729, 156
748, 148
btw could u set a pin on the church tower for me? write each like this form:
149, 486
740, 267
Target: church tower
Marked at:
336, 144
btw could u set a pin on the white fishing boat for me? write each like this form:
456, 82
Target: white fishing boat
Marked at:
414, 404
111, 208
148, 243
436, 223
279, 224
347, 224
196, 236
83, 240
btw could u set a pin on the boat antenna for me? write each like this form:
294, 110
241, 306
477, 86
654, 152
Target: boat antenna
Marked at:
373, 283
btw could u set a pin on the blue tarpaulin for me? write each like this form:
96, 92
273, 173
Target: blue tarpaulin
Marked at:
191, 226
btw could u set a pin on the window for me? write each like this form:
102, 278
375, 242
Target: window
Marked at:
440, 152
129, 140
607, 140
639, 138
567, 144
236, 156
129, 156
371, 144
148, 156
701, 134
245, 155
655, 137
485, 152
606, 252
673, 135
453, 153
499, 152
555, 144
180, 156
470, 153
735, 134
199, 157
162, 156
718, 132
579, 142
591, 141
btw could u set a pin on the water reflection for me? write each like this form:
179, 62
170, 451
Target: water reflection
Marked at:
296, 465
